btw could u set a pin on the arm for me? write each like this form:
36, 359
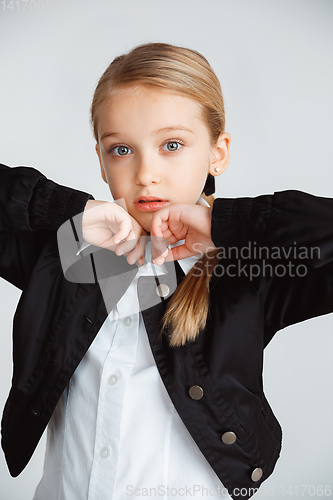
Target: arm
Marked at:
295, 232
30, 207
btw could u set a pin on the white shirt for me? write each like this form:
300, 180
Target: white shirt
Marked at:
115, 433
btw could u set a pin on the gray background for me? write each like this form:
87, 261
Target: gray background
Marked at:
274, 60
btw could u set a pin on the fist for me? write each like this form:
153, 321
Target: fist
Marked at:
108, 225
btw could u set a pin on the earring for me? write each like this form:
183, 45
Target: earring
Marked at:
217, 169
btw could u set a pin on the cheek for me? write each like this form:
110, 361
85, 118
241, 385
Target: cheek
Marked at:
200, 158
117, 182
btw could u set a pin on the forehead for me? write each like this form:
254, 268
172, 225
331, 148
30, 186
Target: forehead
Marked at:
152, 105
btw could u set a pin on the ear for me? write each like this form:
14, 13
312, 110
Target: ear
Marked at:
220, 154
101, 164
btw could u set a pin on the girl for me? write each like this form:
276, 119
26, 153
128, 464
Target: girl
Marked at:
152, 386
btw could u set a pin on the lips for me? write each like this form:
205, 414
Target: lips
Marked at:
149, 203
146, 199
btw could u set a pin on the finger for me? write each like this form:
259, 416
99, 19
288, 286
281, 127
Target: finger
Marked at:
160, 224
134, 256
124, 231
137, 254
126, 245
178, 253
159, 247
142, 246
167, 223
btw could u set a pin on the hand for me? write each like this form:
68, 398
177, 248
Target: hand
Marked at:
180, 221
106, 224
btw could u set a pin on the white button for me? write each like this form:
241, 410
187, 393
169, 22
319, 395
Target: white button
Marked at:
127, 321
105, 452
113, 379
162, 290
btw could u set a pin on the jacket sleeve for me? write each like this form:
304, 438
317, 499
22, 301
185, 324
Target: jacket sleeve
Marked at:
284, 245
30, 207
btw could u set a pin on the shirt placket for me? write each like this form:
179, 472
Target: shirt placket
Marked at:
114, 378
116, 372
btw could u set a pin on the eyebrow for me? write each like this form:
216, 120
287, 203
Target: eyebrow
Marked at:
165, 129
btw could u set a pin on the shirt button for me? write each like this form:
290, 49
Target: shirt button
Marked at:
127, 321
105, 452
256, 474
229, 437
196, 392
162, 290
113, 379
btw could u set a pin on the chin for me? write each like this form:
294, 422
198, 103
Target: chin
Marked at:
146, 228
144, 224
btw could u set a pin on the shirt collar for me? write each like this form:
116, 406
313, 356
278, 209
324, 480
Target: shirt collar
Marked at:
149, 269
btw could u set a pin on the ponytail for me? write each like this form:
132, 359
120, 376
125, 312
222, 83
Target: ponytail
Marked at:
187, 312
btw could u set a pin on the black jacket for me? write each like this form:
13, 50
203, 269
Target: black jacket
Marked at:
251, 298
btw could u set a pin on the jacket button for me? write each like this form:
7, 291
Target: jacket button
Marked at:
196, 392
256, 474
229, 437
162, 290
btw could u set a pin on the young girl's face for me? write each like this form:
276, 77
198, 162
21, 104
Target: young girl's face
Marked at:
155, 143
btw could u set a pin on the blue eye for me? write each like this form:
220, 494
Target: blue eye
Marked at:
121, 150
173, 145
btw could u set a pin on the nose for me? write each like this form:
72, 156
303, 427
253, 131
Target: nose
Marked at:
147, 172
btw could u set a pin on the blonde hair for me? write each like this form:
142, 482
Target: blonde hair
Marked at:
184, 72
